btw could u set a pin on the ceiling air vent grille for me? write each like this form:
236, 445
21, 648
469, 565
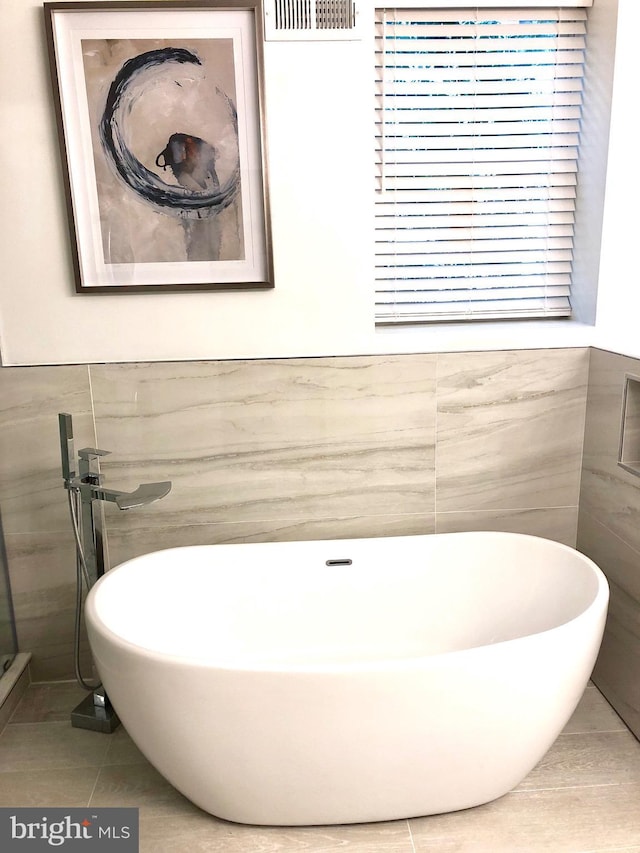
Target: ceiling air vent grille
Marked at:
310, 20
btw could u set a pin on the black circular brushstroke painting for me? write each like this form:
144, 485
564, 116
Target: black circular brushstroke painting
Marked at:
191, 160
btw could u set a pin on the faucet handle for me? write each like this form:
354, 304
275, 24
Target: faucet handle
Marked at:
89, 463
88, 453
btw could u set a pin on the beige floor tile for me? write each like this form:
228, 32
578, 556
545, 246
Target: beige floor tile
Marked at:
594, 714
48, 787
139, 786
48, 702
122, 750
205, 834
594, 758
634, 849
49, 746
573, 820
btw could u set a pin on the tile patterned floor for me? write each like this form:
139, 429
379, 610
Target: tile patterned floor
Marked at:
583, 797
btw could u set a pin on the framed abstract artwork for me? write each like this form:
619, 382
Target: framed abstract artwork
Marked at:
161, 127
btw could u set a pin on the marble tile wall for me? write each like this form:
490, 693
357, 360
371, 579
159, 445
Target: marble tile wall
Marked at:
609, 532
37, 529
8, 645
285, 449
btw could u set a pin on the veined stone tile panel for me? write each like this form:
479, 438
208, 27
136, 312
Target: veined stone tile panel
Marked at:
604, 401
609, 532
324, 400
619, 560
613, 498
264, 440
31, 493
43, 583
617, 670
558, 523
608, 492
264, 487
126, 544
510, 429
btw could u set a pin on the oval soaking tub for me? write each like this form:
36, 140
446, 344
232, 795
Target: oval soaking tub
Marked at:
348, 680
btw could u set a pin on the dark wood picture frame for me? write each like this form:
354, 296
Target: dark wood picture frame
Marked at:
160, 109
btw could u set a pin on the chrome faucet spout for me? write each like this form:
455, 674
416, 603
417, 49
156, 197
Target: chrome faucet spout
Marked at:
89, 485
83, 482
82, 479
145, 494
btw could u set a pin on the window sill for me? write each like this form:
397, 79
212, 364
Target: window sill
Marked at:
490, 335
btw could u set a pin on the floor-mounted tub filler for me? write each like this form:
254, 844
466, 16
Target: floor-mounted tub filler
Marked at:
351, 680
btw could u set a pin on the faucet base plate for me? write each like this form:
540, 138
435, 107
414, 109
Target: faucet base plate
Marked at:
88, 715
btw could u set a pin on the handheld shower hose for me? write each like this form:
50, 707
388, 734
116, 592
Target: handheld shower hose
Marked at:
82, 578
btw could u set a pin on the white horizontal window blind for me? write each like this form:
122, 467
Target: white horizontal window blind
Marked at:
478, 126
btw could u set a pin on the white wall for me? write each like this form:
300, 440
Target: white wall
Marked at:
319, 190
319, 105
619, 291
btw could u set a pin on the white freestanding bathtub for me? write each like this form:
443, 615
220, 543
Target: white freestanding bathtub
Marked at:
351, 680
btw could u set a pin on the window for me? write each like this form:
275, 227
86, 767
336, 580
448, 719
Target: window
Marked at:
478, 119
